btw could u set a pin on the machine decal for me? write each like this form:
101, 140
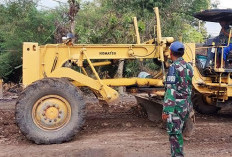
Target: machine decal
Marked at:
108, 53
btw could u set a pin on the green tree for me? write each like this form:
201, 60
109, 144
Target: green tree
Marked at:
104, 21
98, 21
21, 21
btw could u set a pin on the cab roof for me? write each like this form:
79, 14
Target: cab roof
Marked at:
215, 15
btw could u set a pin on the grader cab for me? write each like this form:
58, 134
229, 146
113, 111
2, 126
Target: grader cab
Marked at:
212, 71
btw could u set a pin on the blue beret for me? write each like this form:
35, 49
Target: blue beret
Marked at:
177, 47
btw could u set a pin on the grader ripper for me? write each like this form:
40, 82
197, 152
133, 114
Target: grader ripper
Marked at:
51, 108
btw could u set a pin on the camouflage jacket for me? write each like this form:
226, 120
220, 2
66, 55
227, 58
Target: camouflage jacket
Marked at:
223, 39
178, 85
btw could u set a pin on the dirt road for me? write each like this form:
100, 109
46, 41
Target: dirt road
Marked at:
119, 133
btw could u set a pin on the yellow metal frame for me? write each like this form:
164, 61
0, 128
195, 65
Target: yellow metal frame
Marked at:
51, 60
48, 61
220, 89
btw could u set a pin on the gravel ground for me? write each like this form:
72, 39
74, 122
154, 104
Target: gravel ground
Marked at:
122, 131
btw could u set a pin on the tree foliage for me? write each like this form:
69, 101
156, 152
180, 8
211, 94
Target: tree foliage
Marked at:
20, 21
98, 21
104, 21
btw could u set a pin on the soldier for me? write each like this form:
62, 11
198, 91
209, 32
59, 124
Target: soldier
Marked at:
177, 101
224, 36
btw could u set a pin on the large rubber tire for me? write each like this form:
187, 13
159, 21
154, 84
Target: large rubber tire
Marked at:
201, 106
42, 88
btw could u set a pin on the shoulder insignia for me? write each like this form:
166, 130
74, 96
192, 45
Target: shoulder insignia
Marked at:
171, 76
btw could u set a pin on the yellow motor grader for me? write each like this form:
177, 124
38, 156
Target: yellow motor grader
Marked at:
51, 108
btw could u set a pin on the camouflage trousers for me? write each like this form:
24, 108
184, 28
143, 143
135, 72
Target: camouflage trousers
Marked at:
174, 128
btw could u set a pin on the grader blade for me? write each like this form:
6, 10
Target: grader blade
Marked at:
152, 106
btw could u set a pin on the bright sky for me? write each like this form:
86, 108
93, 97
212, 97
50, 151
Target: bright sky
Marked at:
46, 4
50, 3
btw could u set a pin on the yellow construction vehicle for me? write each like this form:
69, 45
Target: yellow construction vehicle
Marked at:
51, 108
212, 73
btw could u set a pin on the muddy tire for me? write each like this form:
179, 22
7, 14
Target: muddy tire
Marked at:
201, 106
50, 111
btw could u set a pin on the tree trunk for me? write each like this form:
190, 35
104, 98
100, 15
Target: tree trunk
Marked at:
74, 8
1, 88
119, 75
72, 27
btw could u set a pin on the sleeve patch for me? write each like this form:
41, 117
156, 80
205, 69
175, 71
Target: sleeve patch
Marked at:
171, 77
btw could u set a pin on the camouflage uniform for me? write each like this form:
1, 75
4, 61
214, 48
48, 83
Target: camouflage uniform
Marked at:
177, 102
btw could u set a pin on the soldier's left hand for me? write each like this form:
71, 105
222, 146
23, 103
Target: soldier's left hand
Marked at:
165, 116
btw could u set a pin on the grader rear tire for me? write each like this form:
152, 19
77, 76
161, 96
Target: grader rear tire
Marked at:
50, 111
202, 106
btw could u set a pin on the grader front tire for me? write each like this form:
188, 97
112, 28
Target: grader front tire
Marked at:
50, 111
